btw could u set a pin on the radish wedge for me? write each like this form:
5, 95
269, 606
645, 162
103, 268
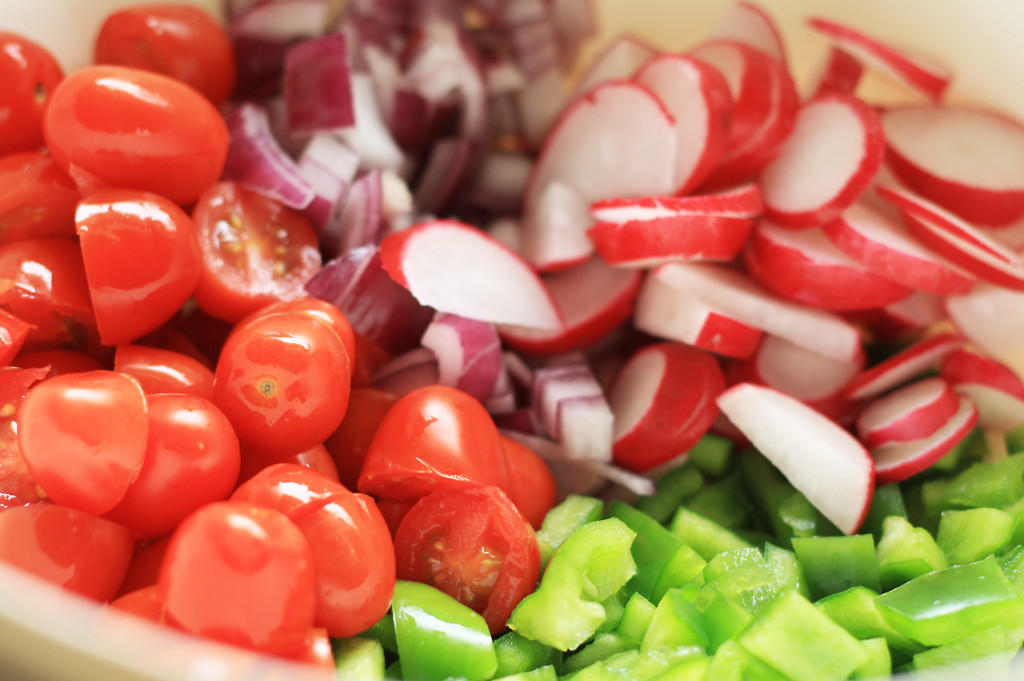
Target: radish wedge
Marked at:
619, 60
899, 460
903, 366
818, 457
830, 158
743, 201
800, 373
970, 162
747, 23
995, 390
992, 319
646, 243
912, 412
456, 268
841, 72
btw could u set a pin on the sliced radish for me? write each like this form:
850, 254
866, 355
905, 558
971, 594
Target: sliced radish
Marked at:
908, 413
647, 243
899, 460
593, 299
995, 390
841, 72
282, 21
875, 237
743, 201
663, 399
573, 410
747, 23
902, 320
914, 70
620, 59
468, 353
829, 159
805, 266
805, 375
905, 365
617, 140
698, 98
968, 161
992, 319
820, 458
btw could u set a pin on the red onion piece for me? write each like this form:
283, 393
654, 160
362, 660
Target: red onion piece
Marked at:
360, 220
573, 409
330, 167
468, 353
406, 372
317, 85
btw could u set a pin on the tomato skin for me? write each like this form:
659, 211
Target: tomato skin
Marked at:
13, 332
532, 486
349, 443
17, 485
475, 546
433, 438
144, 570
77, 464
122, 127
59, 361
192, 458
144, 603
316, 458
256, 251
164, 371
141, 260
283, 381
27, 71
241, 574
37, 198
179, 41
77, 550
318, 309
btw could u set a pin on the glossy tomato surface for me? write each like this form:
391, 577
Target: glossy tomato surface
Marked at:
316, 458
29, 74
348, 445
531, 485
17, 485
114, 126
164, 371
37, 198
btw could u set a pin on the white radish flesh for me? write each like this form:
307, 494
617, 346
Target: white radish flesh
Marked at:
995, 390
747, 23
900, 460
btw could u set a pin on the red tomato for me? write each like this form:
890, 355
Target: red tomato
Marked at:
531, 485
144, 603
75, 549
65, 436
122, 127
433, 438
320, 309
37, 198
316, 457
283, 381
144, 569
179, 41
17, 486
317, 650
29, 74
368, 357
58, 361
192, 458
394, 510
13, 332
349, 443
475, 546
241, 574
141, 260
351, 543
164, 371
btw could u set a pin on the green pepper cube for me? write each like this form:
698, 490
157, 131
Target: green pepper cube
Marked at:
786, 567
564, 519
742, 574
683, 569
676, 622
947, 606
545, 673
601, 648
673, 488
724, 502
834, 564
994, 484
660, 664
795, 638
905, 552
877, 664
1012, 564
636, 617
856, 611
704, 535
995, 644
653, 549
724, 618
590, 566
712, 454
439, 637
886, 501
517, 654
732, 663
970, 535
358, 657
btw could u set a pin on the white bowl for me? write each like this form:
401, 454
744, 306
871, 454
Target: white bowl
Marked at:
46, 634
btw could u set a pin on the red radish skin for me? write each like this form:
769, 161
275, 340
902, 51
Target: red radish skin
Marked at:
648, 243
909, 413
841, 72
742, 201
829, 159
898, 461
905, 365
995, 390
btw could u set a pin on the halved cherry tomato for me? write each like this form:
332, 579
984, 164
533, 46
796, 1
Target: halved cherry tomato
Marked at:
316, 457
13, 332
433, 438
17, 485
241, 574
256, 251
29, 74
192, 458
141, 260
475, 546
531, 485
66, 434
283, 381
317, 651
59, 361
164, 371
180, 41
348, 445
37, 198
113, 126
72, 548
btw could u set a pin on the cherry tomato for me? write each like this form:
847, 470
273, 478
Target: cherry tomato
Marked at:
394, 510
144, 570
122, 127
316, 457
192, 458
531, 485
58, 361
472, 544
164, 371
13, 332
368, 357
351, 543
179, 41
283, 381
37, 198
67, 436
17, 485
141, 260
241, 574
29, 74
433, 438
320, 309
256, 251
349, 443
317, 650
72, 548
144, 603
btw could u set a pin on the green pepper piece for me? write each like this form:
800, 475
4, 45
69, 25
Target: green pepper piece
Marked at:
970, 535
674, 487
905, 552
358, 657
712, 454
564, 519
946, 606
384, 631
676, 622
996, 645
685, 567
652, 548
877, 664
601, 648
834, 564
742, 574
1012, 564
703, 535
1015, 439
732, 663
994, 484
545, 673
517, 654
636, 618
660, 664
723, 502
789, 627
886, 501
439, 637
767, 490
589, 567
724, 618
856, 611
786, 567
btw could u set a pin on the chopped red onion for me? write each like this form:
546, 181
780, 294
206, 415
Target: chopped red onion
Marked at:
468, 353
406, 372
370, 137
360, 220
573, 409
450, 160
281, 20
317, 85
330, 167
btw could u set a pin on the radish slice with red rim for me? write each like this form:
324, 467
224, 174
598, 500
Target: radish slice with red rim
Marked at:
992, 319
909, 413
468, 353
747, 23
840, 72
742, 201
647, 243
805, 375
898, 461
620, 59
898, 322
904, 366
994, 388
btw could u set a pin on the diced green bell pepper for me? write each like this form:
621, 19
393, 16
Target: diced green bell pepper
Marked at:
742, 574
564, 519
905, 552
856, 611
724, 618
732, 663
996, 644
703, 535
834, 564
724, 502
601, 648
994, 484
384, 631
1012, 564
676, 622
545, 673
660, 664
877, 664
886, 501
970, 535
359, 658
517, 654
712, 454
673, 488
786, 567
636, 617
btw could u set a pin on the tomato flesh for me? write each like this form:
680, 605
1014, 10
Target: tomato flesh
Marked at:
37, 198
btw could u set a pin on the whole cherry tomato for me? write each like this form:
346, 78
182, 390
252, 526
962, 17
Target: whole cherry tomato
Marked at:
37, 198
472, 544
13, 332
241, 574
58, 361
531, 485
29, 74
144, 570
326, 312
349, 443
180, 41
113, 126
164, 371
72, 548
141, 260
256, 251
192, 458
316, 457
